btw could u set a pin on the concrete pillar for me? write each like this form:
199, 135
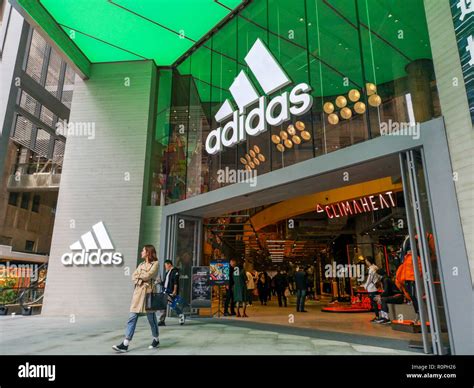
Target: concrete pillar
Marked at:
419, 87
102, 180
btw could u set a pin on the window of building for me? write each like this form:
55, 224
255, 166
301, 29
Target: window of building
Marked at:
13, 199
29, 246
25, 200
36, 203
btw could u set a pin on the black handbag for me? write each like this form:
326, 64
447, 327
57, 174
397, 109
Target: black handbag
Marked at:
155, 301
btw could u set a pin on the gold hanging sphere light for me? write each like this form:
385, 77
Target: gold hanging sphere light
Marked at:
354, 95
375, 100
256, 161
256, 148
288, 143
341, 101
248, 168
276, 139
291, 130
328, 107
333, 119
247, 156
283, 135
371, 88
300, 126
252, 164
261, 157
359, 107
305, 135
346, 113
296, 139
280, 147
252, 153
243, 160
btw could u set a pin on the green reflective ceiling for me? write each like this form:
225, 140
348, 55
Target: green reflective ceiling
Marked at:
324, 33
123, 30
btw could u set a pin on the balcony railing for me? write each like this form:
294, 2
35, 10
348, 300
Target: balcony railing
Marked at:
35, 176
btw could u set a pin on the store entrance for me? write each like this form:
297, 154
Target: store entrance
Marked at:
332, 240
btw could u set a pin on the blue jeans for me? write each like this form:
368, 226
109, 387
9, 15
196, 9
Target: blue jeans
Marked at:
300, 299
132, 324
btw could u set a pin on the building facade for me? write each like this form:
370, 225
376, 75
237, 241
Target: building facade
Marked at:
305, 97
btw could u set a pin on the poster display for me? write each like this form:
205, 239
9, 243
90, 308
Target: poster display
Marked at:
201, 289
219, 272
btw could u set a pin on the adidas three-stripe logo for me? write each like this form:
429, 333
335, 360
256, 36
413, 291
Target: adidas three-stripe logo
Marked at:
271, 77
93, 248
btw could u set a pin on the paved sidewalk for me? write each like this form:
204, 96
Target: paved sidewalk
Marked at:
57, 336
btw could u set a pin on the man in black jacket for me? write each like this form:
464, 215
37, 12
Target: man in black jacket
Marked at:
301, 282
281, 284
229, 295
390, 294
171, 287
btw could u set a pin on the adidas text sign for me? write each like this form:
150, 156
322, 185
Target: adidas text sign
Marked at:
279, 109
90, 250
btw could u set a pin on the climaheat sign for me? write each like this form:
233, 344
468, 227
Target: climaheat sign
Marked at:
94, 248
271, 78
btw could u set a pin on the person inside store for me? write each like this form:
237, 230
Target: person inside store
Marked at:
171, 288
281, 285
371, 285
229, 295
144, 280
405, 281
250, 287
268, 280
390, 295
262, 286
240, 290
301, 284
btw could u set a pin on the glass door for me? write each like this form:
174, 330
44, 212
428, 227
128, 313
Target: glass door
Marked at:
184, 249
423, 245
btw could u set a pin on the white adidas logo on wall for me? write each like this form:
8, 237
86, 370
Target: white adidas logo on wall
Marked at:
271, 78
94, 248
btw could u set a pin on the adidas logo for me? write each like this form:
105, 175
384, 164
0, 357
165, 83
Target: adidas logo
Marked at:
271, 77
94, 248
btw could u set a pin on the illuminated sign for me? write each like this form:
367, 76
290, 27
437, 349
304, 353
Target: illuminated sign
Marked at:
352, 207
94, 248
271, 77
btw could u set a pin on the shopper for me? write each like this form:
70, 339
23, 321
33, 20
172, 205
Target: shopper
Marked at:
301, 282
268, 280
262, 286
143, 279
390, 295
171, 288
281, 284
229, 295
240, 290
371, 285
405, 281
250, 287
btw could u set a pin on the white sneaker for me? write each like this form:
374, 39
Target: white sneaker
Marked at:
182, 319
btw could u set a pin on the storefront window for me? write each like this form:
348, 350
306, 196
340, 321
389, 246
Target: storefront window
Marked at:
367, 64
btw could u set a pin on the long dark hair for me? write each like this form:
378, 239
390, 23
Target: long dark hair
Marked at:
150, 253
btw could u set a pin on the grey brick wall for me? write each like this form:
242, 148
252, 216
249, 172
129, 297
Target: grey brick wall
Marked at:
95, 187
455, 109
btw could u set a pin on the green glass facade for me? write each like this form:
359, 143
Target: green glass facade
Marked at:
333, 47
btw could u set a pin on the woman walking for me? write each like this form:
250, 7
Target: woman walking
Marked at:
143, 278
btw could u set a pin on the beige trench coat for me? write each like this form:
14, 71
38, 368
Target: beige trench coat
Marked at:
143, 278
